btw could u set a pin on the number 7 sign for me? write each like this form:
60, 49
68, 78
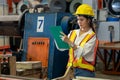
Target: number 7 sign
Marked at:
40, 24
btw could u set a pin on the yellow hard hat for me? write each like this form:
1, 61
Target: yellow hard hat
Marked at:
85, 9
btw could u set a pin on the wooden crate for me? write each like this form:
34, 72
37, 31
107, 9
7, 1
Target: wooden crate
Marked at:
31, 69
28, 65
31, 73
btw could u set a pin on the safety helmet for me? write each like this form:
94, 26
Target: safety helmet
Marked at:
85, 9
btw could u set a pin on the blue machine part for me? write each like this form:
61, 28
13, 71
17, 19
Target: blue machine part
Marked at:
57, 59
44, 2
69, 23
65, 24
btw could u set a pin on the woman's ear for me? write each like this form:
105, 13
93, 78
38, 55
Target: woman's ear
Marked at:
88, 21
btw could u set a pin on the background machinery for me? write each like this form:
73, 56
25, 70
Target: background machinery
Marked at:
37, 16
110, 24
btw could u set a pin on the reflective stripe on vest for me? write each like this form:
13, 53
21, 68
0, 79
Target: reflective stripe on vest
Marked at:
81, 62
71, 54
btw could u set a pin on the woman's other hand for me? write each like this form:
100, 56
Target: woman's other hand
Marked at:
64, 37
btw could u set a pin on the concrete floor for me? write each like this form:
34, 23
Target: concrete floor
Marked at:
99, 74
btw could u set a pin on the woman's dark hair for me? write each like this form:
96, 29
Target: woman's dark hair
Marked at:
91, 21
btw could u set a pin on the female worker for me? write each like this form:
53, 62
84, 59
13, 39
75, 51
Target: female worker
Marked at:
82, 41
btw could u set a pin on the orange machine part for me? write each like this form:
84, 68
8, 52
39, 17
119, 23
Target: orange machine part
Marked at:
9, 2
38, 49
100, 4
6, 48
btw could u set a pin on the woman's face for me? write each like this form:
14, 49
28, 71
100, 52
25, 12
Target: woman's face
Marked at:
82, 22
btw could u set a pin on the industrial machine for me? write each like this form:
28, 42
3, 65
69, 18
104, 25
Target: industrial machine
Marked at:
109, 29
39, 43
106, 34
